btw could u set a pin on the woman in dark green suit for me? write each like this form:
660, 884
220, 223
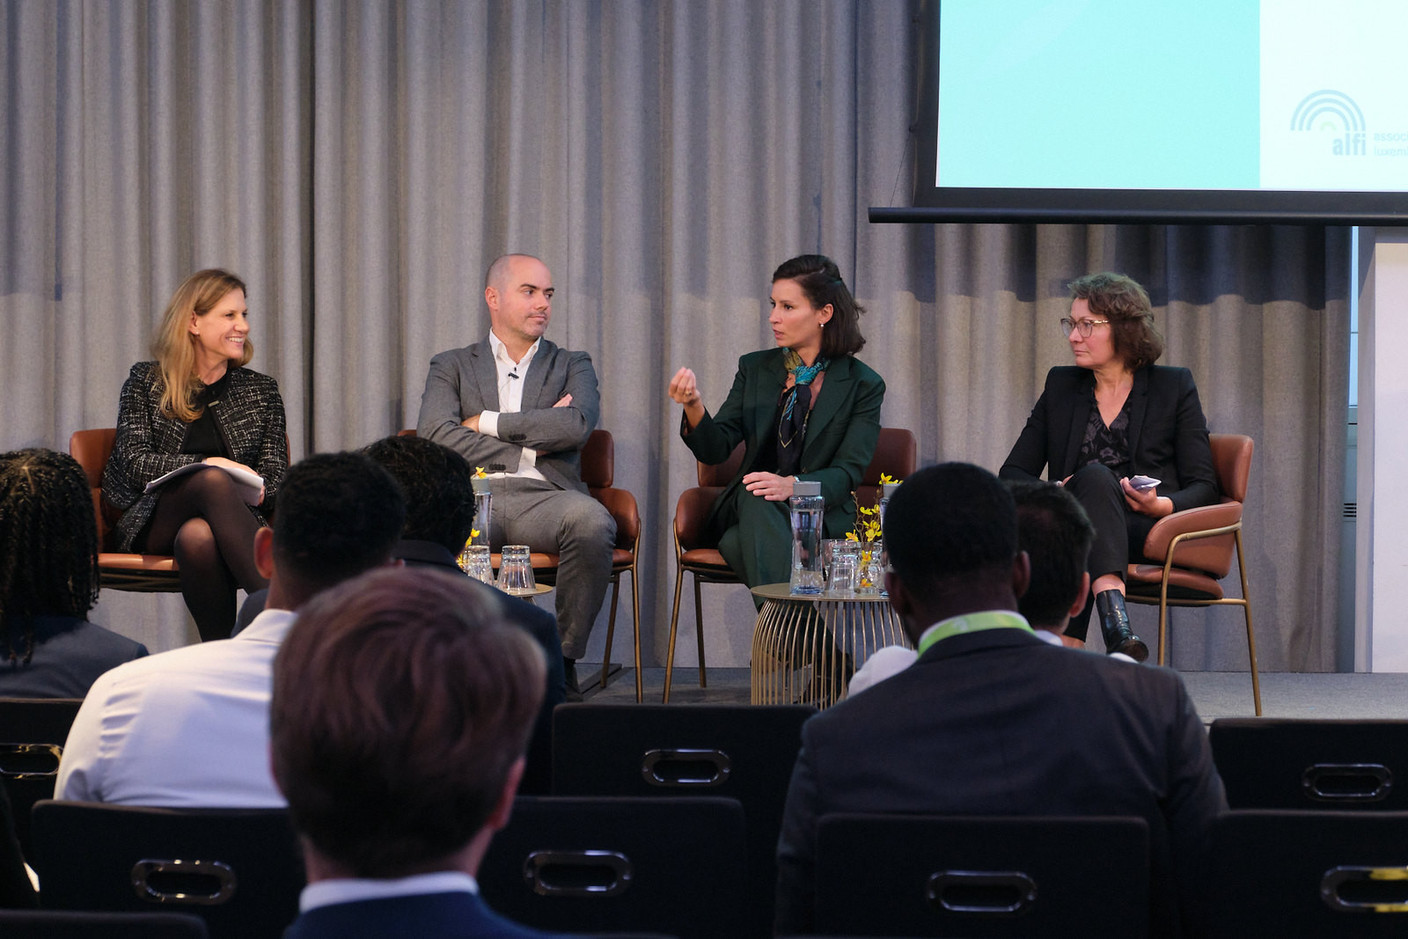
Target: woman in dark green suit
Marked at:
808, 409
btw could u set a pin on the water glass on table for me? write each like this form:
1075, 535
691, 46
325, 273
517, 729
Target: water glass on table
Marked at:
474, 561
516, 570
844, 571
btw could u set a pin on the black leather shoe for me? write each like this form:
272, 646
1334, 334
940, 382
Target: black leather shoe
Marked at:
1114, 626
574, 691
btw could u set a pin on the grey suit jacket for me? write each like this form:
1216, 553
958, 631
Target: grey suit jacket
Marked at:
1000, 723
464, 382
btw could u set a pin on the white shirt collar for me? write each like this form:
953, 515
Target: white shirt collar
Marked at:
503, 359
352, 889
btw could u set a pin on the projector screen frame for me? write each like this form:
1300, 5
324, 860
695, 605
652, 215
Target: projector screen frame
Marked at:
937, 204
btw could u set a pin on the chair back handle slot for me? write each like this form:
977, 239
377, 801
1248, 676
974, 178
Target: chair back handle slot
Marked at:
992, 893
29, 760
586, 873
1347, 782
199, 883
1350, 889
700, 768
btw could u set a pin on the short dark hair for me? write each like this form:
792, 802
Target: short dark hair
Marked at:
437, 484
48, 543
947, 522
1125, 304
339, 514
401, 701
820, 279
1056, 534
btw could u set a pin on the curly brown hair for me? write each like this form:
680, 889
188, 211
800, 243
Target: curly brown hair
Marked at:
1125, 304
49, 562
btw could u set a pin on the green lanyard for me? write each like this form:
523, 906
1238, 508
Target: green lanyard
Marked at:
972, 623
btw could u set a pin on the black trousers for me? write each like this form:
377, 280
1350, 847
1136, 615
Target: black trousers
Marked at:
1119, 531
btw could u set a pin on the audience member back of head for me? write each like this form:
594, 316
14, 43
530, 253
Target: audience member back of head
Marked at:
49, 580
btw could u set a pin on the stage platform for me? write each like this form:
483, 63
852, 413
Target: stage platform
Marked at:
1216, 694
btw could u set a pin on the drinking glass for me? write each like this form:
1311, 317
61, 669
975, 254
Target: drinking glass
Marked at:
474, 561
845, 569
516, 570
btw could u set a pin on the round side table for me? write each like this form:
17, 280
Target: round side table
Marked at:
805, 647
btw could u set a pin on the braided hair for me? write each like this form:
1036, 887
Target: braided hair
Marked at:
48, 544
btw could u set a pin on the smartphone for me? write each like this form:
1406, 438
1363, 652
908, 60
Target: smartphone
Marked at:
1144, 482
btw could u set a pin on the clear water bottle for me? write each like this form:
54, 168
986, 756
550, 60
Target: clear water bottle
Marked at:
483, 511
805, 506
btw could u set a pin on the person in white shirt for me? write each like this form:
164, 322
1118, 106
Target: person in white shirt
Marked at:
521, 409
190, 727
401, 714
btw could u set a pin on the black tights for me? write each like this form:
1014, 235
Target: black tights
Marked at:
1119, 531
202, 520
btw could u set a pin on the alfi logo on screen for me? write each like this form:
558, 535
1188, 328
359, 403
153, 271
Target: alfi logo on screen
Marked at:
1335, 116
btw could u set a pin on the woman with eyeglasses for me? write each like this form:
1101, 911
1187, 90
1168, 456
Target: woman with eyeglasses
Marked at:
1125, 436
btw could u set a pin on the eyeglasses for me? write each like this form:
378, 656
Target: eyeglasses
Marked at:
1085, 326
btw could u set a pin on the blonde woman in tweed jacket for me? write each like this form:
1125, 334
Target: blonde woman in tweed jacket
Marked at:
198, 404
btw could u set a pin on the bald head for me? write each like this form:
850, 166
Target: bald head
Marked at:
518, 291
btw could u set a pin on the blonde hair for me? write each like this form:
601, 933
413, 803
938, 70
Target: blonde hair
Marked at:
175, 346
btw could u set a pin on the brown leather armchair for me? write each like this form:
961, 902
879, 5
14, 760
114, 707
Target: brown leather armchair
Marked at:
1189, 552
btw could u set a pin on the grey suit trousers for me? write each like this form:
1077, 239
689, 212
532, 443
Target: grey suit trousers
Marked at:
573, 526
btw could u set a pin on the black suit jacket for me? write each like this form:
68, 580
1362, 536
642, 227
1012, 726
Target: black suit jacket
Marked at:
1168, 434
444, 915
1000, 723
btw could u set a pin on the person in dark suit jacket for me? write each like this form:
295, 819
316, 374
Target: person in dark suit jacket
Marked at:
520, 408
808, 409
439, 519
49, 580
198, 404
991, 720
401, 708
1113, 416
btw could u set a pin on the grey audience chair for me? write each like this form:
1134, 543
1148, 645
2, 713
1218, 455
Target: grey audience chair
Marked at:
32, 736
240, 870
663, 751
1294, 873
898, 875
1344, 765
51, 924
672, 866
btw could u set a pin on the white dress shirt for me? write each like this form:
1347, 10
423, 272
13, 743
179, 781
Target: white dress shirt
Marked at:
185, 728
511, 375
351, 890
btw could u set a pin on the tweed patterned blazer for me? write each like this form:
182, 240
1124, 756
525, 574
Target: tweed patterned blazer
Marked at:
250, 419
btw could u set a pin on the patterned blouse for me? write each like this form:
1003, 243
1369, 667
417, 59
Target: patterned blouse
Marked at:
1108, 446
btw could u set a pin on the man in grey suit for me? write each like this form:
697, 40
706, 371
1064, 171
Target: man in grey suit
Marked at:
991, 720
521, 409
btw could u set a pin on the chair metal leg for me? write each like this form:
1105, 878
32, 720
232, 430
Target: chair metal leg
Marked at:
699, 630
674, 628
1247, 610
635, 626
610, 627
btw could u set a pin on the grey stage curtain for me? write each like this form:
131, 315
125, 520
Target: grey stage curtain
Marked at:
360, 163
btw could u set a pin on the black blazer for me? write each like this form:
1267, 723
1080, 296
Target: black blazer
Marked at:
1000, 723
1168, 434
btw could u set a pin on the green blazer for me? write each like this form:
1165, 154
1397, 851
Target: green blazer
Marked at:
841, 432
